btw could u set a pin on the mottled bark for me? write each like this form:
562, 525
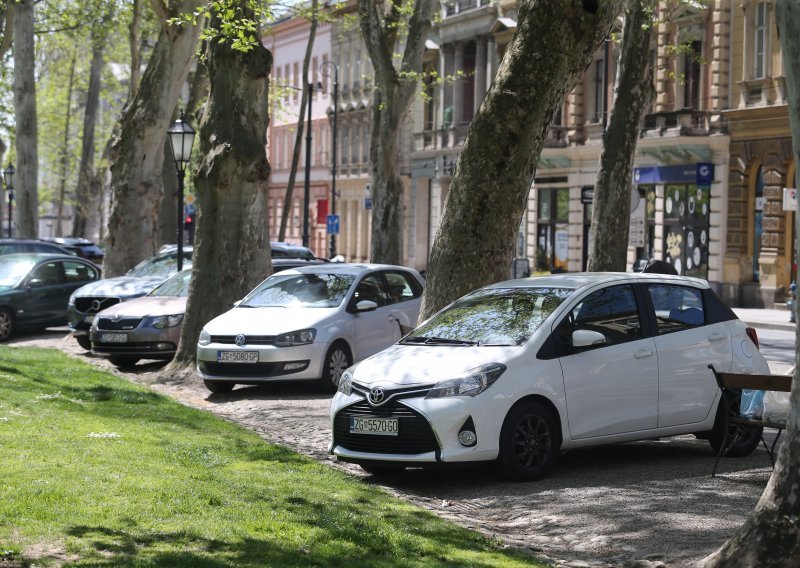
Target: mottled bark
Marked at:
298, 138
6, 27
138, 151
231, 189
553, 45
86, 201
26, 195
393, 93
633, 95
64, 161
770, 537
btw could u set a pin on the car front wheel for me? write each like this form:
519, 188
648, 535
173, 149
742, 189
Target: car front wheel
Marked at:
337, 360
6, 324
529, 442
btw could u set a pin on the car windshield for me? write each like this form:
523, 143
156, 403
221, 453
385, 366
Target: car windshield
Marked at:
292, 252
162, 266
317, 290
177, 285
12, 271
495, 316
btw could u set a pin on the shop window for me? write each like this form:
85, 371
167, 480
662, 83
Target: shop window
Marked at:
552, 237
686, 228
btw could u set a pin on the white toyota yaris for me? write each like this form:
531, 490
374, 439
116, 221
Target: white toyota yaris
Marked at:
518, 371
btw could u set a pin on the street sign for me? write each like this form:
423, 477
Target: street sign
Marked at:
367, 203
332, 224
789, 199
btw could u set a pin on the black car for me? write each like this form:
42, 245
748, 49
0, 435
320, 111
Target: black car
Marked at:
17, 246
35, 288
84, 248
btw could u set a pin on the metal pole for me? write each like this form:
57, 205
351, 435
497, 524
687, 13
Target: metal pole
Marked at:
333, 150
307, 190
181, 174
10, 201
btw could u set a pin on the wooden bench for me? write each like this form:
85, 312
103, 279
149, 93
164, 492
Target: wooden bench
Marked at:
730, 385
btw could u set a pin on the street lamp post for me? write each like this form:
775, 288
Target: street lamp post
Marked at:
307, 187
333, 146
8, 175
181, 137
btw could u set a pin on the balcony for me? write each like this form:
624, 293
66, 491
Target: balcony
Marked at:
683, 122
455, 7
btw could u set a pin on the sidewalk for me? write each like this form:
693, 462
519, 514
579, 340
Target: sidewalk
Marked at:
765, 319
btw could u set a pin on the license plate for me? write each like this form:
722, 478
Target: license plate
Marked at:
89, 318
374, 425
113, 338
237, 356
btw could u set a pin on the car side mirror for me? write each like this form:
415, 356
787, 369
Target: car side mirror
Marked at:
35, 283
366, 306
587, 338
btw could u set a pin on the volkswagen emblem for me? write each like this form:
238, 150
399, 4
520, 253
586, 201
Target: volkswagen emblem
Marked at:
240, 339
376, 395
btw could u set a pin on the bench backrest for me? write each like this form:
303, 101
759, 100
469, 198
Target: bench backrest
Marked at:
781, 383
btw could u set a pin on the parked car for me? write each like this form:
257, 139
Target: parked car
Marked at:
84, 248
520, 371
17, 246
86, 302
150, 327
35, 287
309, 323
289, 250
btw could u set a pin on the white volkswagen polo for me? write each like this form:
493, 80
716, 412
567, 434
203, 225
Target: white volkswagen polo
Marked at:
518, 371
309, 323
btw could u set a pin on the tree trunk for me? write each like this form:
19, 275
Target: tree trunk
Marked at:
26, 182
138, 152
392, 96
553, 45
770, 537
85, 200
64, 162
298, 139
232, 190
634, 93
6, 27
134, 41
3, 191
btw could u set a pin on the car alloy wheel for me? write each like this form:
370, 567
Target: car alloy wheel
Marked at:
337, 361
529, 442
6, 324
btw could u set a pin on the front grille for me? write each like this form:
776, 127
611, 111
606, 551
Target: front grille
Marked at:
246, 370
117, 325
415, 434
94, 304
249, 339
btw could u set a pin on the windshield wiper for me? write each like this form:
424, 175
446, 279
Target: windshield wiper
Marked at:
439, 341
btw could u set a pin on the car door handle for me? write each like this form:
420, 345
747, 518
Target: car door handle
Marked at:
643, 354
717, 337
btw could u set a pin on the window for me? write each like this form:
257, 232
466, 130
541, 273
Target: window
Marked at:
345, 146
371, 288
611, 311
691, 69
79, 272
758, 220
402, 287
46, 275
354, 150
760, 40
599, 73
357, 70
553, 229
677, 307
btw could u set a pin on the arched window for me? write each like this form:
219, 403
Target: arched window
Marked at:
758, 215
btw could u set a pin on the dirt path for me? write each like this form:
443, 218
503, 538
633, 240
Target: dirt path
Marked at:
651, 503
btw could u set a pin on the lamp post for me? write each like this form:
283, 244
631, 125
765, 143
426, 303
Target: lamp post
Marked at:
333, 145
181, 137
8, 175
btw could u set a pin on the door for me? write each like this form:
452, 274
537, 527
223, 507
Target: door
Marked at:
376, 329
45, 300
686, 345
611, 388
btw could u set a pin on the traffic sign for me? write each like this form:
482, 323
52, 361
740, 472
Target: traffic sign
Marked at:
332, 224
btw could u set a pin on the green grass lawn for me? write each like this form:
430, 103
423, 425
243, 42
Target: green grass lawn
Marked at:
98, 471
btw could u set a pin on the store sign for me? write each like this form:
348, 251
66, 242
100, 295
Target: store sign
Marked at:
789, 199
587, 194
701, 173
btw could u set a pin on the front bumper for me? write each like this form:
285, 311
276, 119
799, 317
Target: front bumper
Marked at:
145, 343
302, 362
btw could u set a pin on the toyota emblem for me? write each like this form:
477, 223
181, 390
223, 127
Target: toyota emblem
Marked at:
376, 395
240, 339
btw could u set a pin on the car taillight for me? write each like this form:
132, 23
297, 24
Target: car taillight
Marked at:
751, 333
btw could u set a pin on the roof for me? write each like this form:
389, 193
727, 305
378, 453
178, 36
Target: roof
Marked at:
575, 280
347, 268
41, 256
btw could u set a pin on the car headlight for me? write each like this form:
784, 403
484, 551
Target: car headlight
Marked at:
71, 300
293, 338
162, 322
346, 382
205, 338
473, 384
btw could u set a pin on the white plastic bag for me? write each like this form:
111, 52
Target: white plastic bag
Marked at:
776, 406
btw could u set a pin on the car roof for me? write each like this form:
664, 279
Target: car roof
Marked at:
43, 256
577, 280
354, 269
